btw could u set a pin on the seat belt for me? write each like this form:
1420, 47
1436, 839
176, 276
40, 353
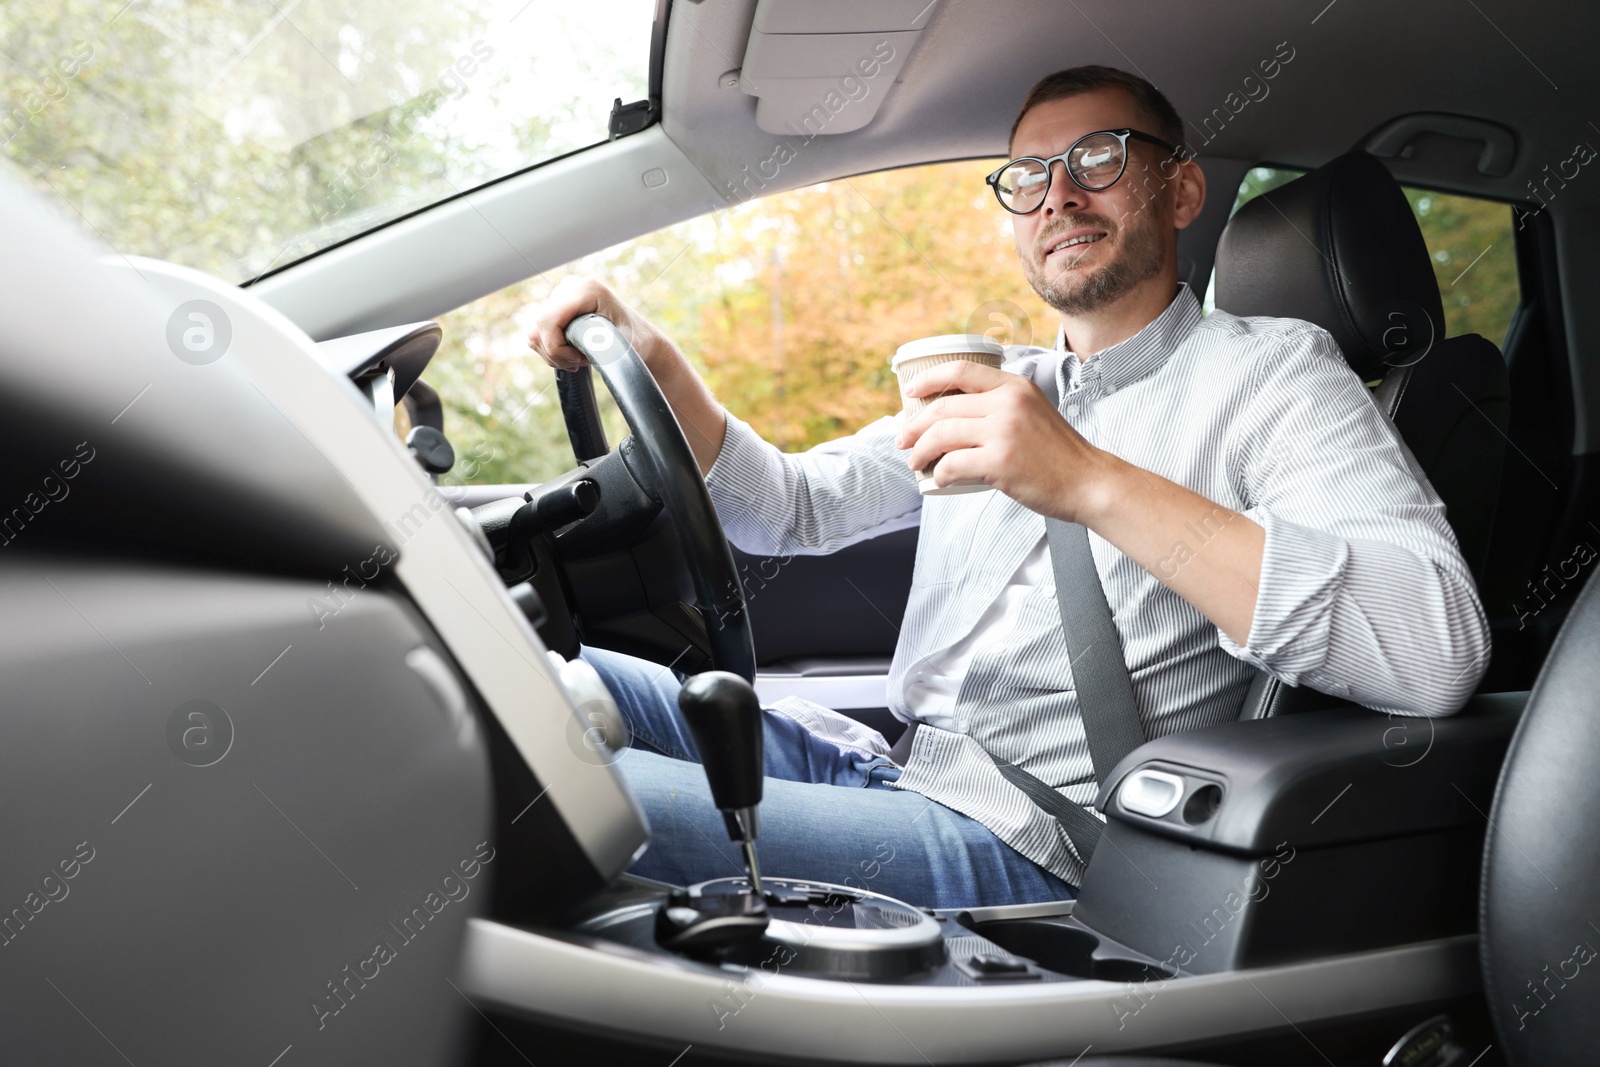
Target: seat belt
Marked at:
1099, 670
1111, 721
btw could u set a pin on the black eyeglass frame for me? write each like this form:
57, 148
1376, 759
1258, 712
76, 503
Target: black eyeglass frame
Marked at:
1123, 136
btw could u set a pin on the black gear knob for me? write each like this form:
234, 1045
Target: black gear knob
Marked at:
724, 715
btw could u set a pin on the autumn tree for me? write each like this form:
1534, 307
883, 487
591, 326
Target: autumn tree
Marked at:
791, 306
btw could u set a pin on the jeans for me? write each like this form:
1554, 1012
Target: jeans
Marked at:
826, 814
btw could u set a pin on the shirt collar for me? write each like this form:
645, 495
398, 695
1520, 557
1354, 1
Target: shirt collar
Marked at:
1140, 355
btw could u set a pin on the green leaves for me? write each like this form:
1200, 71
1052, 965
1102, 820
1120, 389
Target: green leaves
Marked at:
240, 137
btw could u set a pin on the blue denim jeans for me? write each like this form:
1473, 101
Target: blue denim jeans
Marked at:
826, 814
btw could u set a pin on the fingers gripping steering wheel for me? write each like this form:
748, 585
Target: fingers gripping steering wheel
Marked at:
670, 468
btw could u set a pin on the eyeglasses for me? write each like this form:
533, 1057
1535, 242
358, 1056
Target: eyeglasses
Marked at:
1094, 162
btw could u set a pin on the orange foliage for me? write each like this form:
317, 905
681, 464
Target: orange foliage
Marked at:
839, 276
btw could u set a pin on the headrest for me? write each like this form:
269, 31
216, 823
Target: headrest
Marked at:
1338, 247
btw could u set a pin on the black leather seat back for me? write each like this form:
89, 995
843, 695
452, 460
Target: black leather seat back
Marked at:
1452, 409
1540, 900
1340, 247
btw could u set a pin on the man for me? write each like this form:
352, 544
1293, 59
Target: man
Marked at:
1248, 507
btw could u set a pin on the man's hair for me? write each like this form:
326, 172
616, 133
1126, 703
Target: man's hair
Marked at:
1156, 109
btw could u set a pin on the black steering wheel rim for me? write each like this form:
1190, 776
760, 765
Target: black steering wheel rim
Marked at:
675, 474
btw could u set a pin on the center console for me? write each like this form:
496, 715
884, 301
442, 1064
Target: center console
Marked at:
1254, 878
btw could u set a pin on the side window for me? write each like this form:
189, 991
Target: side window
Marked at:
1472, 244
790, 305
1474, 254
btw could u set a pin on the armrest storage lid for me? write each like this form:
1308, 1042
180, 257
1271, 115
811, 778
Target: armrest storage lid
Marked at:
1320, 778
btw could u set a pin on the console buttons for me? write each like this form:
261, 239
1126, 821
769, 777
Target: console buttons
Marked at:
988, 967
1152, 793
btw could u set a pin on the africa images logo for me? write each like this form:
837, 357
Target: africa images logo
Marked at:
199, 733
199, 332
341, 990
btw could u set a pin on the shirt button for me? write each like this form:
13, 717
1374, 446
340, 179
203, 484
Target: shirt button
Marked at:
1072, 410
1110, 389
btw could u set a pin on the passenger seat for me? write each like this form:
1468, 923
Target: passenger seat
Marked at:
1340, 247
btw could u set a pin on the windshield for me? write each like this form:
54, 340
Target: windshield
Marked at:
238, 137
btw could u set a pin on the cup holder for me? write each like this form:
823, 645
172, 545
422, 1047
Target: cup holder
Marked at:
1202, 804
1066, 946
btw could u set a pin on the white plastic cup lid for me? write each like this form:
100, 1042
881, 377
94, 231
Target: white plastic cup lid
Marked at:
947, 344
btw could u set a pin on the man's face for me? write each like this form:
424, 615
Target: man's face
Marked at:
1130, 225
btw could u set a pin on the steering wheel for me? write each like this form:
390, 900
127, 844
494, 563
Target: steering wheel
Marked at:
658, 457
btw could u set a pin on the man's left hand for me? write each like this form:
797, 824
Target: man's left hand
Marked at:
999, 427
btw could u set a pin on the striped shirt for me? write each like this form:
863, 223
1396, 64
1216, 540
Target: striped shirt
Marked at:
1363, 591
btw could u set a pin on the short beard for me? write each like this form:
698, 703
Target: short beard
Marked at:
1138, 261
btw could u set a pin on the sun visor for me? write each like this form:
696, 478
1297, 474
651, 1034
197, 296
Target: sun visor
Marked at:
825, 67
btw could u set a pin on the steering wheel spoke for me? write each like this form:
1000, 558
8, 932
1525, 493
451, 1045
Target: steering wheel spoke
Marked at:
575, 389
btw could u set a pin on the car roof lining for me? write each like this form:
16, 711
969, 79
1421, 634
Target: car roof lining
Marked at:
958, 91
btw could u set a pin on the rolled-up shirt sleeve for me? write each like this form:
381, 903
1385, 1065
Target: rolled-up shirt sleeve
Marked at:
1363, 592
813, 502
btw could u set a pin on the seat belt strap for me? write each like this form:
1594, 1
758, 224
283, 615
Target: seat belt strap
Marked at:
1081, 827
1099, 670
1111, 721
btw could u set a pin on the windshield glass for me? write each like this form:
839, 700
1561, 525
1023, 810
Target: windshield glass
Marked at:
239, 137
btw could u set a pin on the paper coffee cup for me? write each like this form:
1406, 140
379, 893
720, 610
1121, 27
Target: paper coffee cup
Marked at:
915, 358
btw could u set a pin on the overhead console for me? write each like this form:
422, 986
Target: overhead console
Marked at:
825, 66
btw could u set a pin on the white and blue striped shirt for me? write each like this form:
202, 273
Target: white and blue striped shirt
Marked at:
1363, 592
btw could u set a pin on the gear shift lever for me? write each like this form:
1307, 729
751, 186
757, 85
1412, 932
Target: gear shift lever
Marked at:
724, 716
815, 928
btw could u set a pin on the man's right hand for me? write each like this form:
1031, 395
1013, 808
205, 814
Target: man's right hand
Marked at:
701, 417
